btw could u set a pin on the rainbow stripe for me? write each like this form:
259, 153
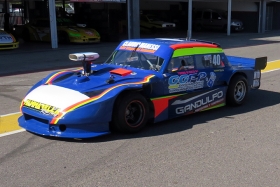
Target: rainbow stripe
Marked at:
89, 100
54, 76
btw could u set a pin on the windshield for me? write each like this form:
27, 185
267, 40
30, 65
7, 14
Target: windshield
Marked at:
136, 60
153, 18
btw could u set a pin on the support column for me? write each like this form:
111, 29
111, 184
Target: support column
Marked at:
229, 18
189, 20
263, 16
53, 24
133, 19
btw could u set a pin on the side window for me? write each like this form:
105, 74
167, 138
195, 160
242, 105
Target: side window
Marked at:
181, 64
210, 61
206, 15
215, 15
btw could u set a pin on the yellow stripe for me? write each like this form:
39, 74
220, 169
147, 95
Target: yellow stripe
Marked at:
9, 123
273, 65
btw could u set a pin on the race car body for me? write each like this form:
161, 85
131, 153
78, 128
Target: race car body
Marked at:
7, 41
67, 31
143, 79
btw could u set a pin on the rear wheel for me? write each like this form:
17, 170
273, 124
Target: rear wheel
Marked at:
237, 90
130, 113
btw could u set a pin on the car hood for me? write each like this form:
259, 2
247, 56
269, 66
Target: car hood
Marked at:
68, 88
84, 31
5, 38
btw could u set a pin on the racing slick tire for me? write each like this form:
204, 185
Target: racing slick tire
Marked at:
130, 113
237, 90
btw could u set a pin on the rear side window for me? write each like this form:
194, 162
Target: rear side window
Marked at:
217, 60
215, 15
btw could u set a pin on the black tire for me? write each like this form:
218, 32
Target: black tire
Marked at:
63, 38
130, 113
26, 35
237, 90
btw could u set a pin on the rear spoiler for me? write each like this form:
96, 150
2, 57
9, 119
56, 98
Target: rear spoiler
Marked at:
256, 63
260, 63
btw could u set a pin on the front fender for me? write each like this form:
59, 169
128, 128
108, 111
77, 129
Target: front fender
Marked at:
95, 109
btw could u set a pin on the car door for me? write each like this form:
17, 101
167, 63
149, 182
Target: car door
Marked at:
42, 29
216, 21
180, 76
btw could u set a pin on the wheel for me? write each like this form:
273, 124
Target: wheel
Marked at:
130, 113
26, 35
63, 38
237, 90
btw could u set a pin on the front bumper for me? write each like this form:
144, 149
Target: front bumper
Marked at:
85, 40
9, 46
237, 28
42, 127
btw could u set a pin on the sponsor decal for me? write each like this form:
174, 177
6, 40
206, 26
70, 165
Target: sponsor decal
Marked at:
200, 103
180, 83
6, 38
188, 72
219, 70
88, 33
43, 108
139, 46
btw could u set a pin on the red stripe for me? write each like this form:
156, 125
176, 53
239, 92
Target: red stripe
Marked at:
190, 45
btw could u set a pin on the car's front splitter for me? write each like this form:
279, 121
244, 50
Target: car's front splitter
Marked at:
62, 131
9, 46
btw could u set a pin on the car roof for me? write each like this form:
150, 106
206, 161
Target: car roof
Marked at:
177, 43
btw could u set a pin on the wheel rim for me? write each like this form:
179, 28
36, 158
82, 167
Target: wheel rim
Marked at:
239, 91
134, 113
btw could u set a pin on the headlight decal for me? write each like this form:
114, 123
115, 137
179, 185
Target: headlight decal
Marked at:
87, 101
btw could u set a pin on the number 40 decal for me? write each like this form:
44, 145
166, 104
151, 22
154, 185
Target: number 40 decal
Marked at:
217, 60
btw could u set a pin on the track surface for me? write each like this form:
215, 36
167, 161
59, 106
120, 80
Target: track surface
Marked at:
223, 147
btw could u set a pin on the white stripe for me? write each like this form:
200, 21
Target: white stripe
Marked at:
177, 102
271, 70
12, 132
10, 114
273, 61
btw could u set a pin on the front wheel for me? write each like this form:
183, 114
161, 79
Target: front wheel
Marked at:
237, 90
130, 113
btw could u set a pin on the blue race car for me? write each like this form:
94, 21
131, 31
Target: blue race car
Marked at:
143, 80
